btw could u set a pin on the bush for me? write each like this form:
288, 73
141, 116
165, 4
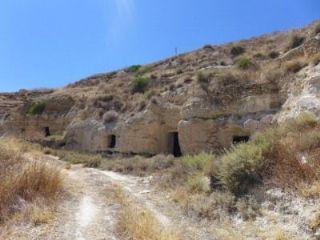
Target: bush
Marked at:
203, 77
275, 152
244, 63
140, 85
294, 66
306, 119
198, 162
36, 108
197, 184
110, 116
134, 68
296, 41
241, 165
273, 54
237, 50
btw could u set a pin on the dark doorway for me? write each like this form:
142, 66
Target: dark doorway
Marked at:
240, 139
174, 144
46, 131
112, 141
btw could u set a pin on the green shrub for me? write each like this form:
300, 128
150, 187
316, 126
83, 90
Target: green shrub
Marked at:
198, 162
134, 68
244, 63
296, 41
240, 166
237, 50
140, 85
36, 108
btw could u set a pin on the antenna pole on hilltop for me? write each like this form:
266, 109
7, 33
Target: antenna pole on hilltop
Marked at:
176, 51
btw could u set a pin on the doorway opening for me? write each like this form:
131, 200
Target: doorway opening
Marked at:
112, 141
174, 145
240, 139
46, 131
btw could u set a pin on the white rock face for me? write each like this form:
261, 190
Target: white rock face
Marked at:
307, 99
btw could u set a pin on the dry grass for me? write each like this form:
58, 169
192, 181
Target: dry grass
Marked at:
73, 157
138, 165
310, 190
24, 180
294, 66
135, 222
314, 224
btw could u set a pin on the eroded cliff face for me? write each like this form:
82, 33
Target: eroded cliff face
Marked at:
205, 100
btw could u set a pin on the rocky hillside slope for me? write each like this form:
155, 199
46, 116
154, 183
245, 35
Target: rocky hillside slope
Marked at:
207, 99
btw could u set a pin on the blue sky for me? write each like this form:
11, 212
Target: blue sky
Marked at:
50, 43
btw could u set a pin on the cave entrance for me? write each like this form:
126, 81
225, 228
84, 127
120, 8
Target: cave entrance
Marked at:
240, 139
46, 131
112, 141
174, 145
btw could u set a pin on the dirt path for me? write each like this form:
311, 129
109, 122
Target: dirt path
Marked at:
88, 213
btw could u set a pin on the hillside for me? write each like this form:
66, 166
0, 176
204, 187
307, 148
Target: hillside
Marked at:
202, 100
219, 143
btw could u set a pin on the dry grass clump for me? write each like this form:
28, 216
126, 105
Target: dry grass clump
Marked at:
24, 180
199, 161
136, 223
315, 60
295, 42
110, 116
72, 157
197, 184
294, 66
138, 165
